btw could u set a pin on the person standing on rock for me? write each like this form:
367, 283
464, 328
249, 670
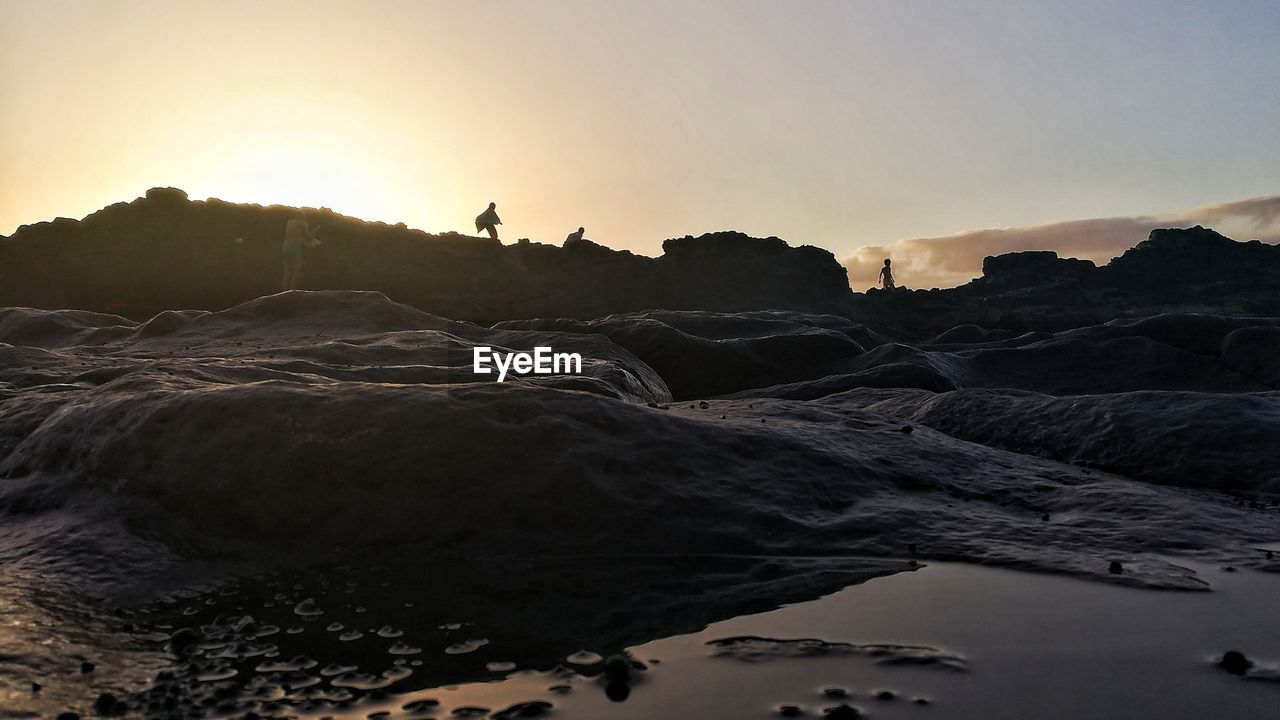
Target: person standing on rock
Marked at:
488, 221
886, 275
297, 235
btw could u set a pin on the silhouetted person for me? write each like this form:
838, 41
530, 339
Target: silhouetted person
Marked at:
574, 237
488, 220
886, 275
297, 235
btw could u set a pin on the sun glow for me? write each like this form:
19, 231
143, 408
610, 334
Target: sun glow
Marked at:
289, 151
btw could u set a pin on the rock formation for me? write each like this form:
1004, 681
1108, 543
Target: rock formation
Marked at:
165, 252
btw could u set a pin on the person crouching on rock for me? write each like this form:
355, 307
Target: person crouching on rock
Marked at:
297, 235
574, 237
886, 275
488, 220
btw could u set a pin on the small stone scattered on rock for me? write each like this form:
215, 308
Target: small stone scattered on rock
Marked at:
835, 692
1234, 662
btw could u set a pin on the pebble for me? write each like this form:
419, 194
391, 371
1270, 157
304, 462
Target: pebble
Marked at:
1234, 662
835, 692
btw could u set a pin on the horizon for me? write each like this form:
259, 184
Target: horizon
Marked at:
1110, 235
959, 133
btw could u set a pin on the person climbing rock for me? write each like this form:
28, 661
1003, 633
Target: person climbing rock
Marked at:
488, 221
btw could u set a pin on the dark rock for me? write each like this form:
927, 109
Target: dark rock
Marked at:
1235, 662
106, 705
182, 639
886, 695
1031, 268
835, 692
1036, 291
86, 667
790, 710
843, 712
166, 252
1115, 568
906, 429
533, 708
617, 668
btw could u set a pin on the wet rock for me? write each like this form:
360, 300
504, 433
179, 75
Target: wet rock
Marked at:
906, 429
35, 687
86, 667
886, 695
843, 712
790, 711
1115, 568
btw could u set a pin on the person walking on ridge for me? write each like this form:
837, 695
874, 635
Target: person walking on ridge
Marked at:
886, 275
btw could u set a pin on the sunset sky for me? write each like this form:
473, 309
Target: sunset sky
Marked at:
848, 125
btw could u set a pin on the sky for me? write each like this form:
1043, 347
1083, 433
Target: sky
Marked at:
936, 131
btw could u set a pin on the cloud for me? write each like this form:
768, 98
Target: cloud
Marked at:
955, 259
